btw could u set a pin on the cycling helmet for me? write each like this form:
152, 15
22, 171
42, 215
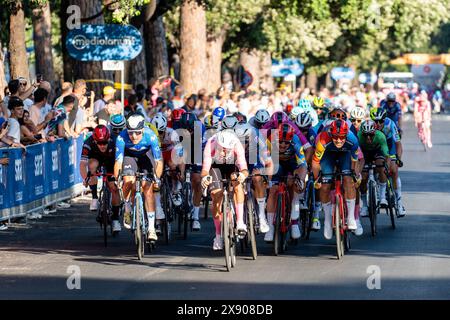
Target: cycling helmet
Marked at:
117, 121
377, 114
262, 116
219, 112
338, 113
318, 103
229, 122
304, 104
304, 120
279, 117
339, 128
358, 113
289, 108
135, 122
211, 122
160, 122
243, 130
187, 120
390, 97
368, 127
101, 133
177, 113
226, 139
240, 117
295, 112
285, 132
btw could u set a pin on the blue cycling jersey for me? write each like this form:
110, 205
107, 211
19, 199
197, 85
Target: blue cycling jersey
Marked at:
390, 130
149, 141
394, 112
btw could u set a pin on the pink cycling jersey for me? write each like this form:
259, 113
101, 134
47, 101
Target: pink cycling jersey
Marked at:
272, 125
215, 153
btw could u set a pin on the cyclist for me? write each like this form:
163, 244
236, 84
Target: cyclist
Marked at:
375, 149
219, 113
336, 147
211, 122
294, 113
357, 116
259, 162
224, 154
337, 113
305, 105
241, 118
168, 139
291, 162
261, 117
280, 117
98, 150
229, 122
176, 117
422, 116
117, 124
194, 131
393, 110
387, 126
137, 149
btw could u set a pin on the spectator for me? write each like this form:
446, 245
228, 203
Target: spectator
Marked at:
38, 113
56, 126
6, 141
16, 108
104, 115
108, 94
67, 89
29, 132
177, 100
16, 89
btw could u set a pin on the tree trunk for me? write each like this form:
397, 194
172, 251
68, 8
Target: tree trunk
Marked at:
214, 62
155, 56
91, 70
311, 81
17, 49
67, 60
42, 37
193, 46
250, 61
137, 69
3, 83
266, 79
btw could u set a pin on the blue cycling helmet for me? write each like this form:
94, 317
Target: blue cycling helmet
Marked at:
304, 104
219, 112
117, 122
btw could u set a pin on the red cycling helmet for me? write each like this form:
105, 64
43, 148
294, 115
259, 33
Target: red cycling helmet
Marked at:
101, 134
177, 114
285, 132
339, 128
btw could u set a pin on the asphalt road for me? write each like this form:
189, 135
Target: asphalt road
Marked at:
413, 262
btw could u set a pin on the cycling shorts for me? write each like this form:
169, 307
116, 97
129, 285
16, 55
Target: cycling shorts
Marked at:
133, 164
219, 172
285, 168
332, 160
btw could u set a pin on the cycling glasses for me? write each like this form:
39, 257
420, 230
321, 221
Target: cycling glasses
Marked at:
102, 143
135, 132
339, 138
356, 120
285, 142
339, 116
369, 135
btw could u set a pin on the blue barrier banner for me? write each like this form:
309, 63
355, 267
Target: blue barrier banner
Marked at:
5, 191
52, 167
16, 174
35, 172
78, 147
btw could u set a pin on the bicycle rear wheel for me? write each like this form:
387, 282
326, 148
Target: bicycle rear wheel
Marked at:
167, 212
372, 208
251, 227
187, 211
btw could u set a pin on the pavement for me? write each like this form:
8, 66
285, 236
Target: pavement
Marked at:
42, 259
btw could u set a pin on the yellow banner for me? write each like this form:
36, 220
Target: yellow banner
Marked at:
422, 58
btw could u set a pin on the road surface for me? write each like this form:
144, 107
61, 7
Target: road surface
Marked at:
412, 262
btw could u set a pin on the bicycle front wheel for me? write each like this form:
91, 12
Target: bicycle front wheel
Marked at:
372, 208
392, 203
251, 227
311, 202
225, 236
338, 228
277, 238
138, 232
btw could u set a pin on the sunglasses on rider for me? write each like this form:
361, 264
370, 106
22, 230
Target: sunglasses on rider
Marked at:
369, 135
285, 142
137, 133
339, 116
102, 143
339, 138
379, 121
356, 120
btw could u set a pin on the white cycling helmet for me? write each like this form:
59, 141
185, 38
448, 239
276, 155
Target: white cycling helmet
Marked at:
160, 122
358, 113
368, 127
135, 122
229, 122
262, 116
304, 120
226, 139
295, 112
243, 130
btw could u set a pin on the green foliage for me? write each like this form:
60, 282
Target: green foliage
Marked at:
121, 11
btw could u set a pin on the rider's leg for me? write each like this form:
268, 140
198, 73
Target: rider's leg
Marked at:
217, 198
295, 205
197, 194
350, 198
363, 189
149, 205
115, 202
260, 196
327, 208
239, 198
92, 166
271, 209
